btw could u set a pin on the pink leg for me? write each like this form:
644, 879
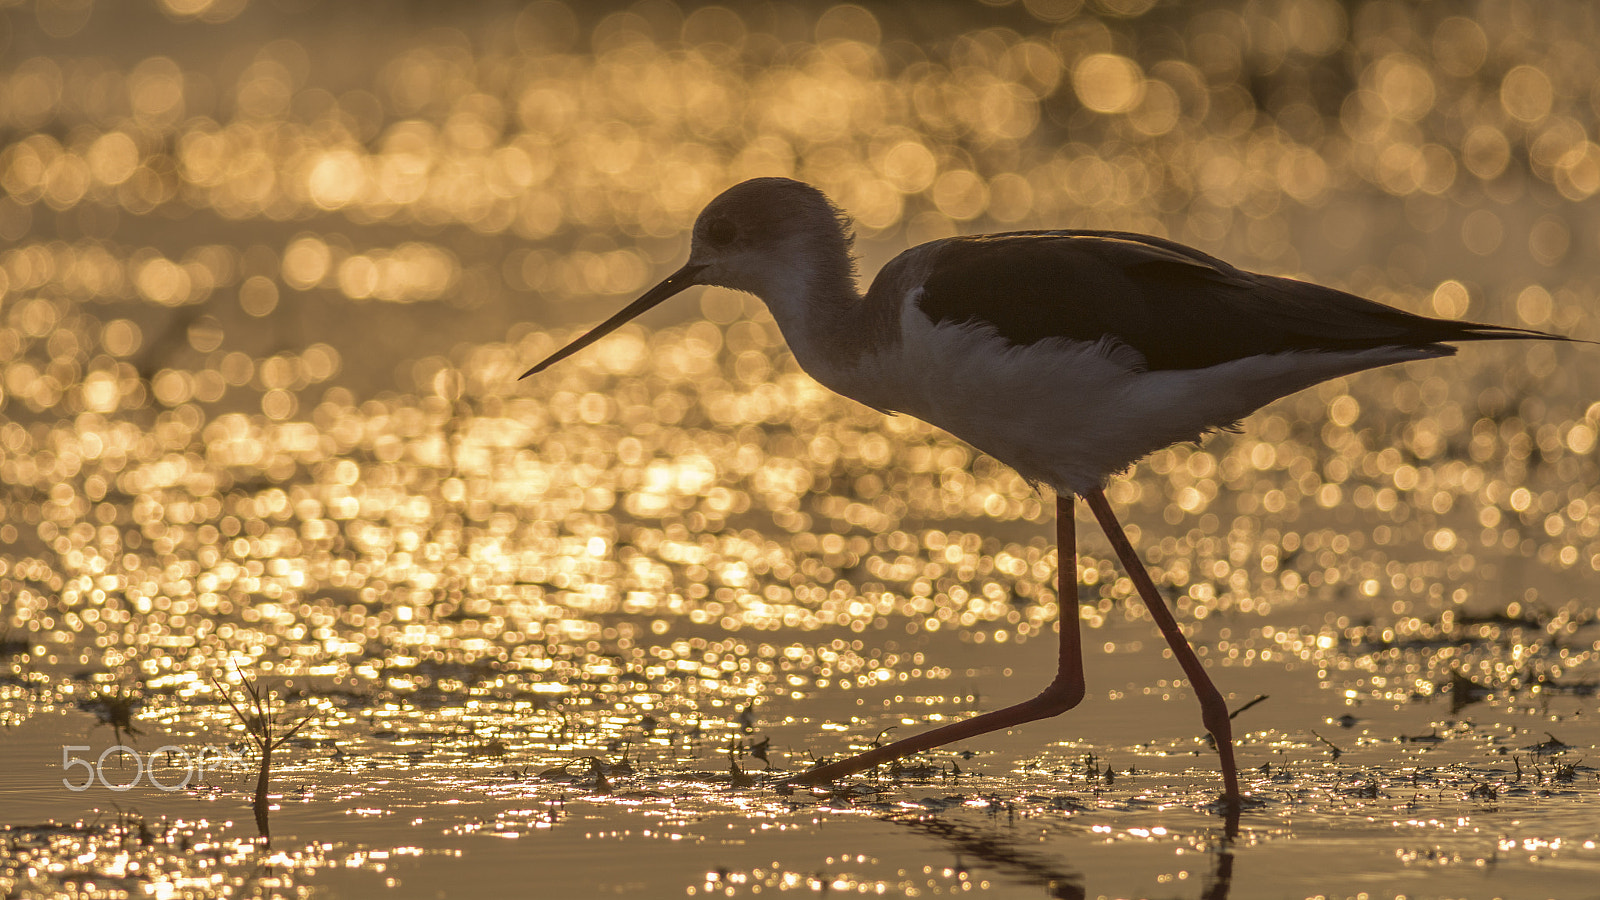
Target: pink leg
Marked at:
1213, 709
1065, 692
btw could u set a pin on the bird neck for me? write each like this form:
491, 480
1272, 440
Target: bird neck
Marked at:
833, 332
811, 309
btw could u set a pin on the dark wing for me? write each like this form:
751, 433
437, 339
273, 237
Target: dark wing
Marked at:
1178, 307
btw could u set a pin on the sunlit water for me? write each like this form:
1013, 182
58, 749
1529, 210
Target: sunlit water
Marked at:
270, 270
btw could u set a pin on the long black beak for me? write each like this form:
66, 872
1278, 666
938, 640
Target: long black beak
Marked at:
674, 283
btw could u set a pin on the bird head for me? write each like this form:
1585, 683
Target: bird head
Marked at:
762, 235
771, 237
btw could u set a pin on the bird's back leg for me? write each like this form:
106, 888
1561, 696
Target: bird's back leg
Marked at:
1065, 692
1213, 709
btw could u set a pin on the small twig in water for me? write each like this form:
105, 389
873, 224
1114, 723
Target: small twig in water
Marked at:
1258, 699
260, 727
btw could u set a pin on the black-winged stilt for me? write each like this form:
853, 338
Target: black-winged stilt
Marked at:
1068, 355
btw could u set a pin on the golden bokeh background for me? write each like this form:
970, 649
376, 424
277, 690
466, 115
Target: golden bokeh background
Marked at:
269, 270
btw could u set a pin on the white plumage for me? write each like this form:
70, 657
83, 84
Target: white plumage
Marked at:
1071, 413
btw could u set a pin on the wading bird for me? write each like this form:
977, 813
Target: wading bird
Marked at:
1067, 355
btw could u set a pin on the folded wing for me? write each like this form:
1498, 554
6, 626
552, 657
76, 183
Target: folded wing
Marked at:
1177, 307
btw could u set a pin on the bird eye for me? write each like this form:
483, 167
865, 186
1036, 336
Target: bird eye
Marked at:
721, 231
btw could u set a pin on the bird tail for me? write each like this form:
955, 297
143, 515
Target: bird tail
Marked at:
1472, 331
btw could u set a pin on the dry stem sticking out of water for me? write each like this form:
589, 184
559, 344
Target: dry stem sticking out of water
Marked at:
261, 726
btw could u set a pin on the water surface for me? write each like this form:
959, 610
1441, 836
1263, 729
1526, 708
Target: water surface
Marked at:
270, 269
